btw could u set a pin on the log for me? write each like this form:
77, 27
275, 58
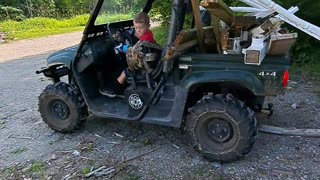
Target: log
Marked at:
216, 30
198, 23
219, 9
186, 46
289, 131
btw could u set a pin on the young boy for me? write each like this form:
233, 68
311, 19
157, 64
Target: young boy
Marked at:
141, 23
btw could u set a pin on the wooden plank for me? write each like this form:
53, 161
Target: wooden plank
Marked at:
186, 46
198, 23
187, 39
216, 30
245, 22
191, 34
219, 9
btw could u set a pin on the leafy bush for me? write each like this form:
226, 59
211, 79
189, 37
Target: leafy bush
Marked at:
160, 34
37, 27
11, 13
108, 18
306, 49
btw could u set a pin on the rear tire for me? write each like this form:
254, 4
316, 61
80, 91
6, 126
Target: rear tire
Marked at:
62, 107
221, 128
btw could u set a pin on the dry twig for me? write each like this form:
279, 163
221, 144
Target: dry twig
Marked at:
103, 170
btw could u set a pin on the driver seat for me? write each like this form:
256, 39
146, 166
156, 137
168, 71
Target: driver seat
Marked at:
152, 66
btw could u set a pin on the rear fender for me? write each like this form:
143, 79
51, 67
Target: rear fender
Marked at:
244, 79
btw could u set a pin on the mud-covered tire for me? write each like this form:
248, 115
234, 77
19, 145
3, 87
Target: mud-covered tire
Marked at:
221, 128
62, 107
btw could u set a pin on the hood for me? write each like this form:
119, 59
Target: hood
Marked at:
64, 56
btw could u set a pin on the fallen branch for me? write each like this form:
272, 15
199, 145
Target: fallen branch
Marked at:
116, 143
8, 136
103, 170
82, 157
65, 151
140, 155
289, 131
21, 137
18, 137
173, 144
119, 135
92, 172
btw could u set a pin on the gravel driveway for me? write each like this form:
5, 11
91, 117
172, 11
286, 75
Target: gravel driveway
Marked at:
29, 149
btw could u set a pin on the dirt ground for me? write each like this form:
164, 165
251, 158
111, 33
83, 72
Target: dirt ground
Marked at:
31, 150
29, 47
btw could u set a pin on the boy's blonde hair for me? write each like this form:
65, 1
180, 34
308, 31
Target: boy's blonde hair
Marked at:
142, 17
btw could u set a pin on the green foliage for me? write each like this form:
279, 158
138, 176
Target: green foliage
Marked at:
86, 170
164, 9
11, 13
37, 167
108, 18
51, 8
309, 71
37, 27
70, 8
160, 34
19, 150
8, 171
306, 49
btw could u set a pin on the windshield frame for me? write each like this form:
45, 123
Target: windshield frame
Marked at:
91, 28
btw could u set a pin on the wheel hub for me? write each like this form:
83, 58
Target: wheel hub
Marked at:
219, 131
60, 109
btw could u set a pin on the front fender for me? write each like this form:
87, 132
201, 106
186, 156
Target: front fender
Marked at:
62, 57
242, 78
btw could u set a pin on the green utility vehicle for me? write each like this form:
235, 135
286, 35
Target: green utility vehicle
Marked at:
211, 96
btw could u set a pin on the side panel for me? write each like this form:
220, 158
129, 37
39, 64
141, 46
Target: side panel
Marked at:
263, 80
242, 78
169, 110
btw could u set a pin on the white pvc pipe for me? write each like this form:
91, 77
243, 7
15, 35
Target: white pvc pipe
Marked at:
253, 4
293, 20
247, 9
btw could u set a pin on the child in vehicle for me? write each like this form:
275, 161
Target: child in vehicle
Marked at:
141, 24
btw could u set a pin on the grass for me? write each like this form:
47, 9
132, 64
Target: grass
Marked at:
39, 27
308, 71
8, 171
2, 124
37, 169
317, 91
19, 150
86, 170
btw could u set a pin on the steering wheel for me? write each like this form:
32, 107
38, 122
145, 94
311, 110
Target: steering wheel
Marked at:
121, 36
127, 36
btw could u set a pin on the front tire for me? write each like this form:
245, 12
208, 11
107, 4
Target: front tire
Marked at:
221, 128
62, 107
